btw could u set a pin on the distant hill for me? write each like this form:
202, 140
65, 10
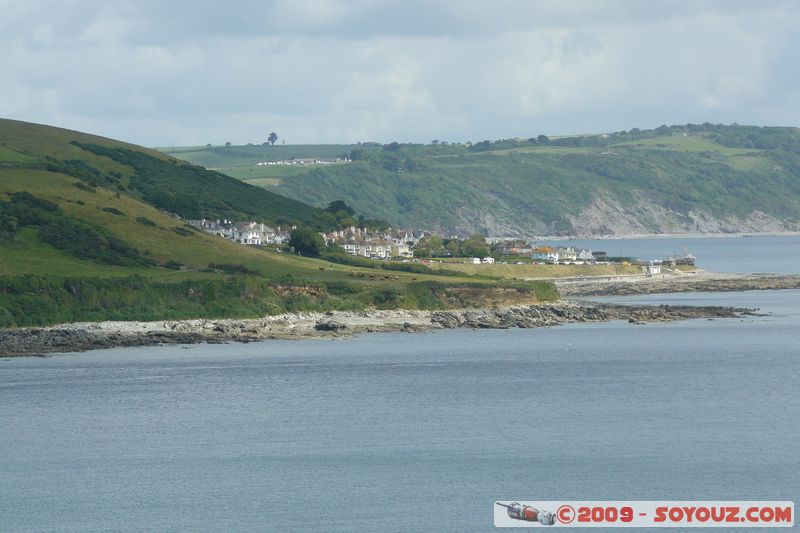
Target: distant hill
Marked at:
672, 179
90, 230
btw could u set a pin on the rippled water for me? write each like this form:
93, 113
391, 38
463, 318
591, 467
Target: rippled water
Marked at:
403, 432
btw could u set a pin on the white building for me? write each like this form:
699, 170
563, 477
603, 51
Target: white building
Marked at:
253, 233
652, 268
545, 254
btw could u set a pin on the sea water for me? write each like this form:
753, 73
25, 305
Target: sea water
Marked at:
405, 432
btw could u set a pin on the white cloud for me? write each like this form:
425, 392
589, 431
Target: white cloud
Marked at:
160, 73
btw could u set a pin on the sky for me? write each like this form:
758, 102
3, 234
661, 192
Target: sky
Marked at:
175, 73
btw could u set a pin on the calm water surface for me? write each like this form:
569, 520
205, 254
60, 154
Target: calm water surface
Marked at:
399, 432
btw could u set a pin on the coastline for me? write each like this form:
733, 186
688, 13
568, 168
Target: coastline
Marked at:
634, 236
85, 336
699, 281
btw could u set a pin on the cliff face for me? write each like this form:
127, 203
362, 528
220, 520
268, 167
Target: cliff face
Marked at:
643, 216
610, 217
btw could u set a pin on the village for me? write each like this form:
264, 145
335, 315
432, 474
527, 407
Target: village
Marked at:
415, 245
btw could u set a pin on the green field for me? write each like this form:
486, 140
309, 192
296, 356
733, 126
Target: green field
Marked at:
245, 156
509, 271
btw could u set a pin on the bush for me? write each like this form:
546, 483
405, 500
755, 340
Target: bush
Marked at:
145, 221
183, 232
233, 269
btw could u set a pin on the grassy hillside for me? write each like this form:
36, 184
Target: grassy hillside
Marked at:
691, 178
84, 236
167, 183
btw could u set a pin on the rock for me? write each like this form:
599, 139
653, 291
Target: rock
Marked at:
329, 326
79, 337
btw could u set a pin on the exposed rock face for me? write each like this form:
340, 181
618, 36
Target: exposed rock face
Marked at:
88, 336
644, 216
606, 216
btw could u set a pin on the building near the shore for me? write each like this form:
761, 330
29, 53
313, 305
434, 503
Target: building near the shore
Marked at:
652, 268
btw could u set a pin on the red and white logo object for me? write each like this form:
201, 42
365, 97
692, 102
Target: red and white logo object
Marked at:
669, 514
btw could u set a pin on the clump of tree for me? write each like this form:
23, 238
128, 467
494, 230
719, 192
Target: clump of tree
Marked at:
475, 246
436, 246
432, 246
306, 241
340, 215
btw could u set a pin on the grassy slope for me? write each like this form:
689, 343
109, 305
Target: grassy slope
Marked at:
534, 186
281, 284
219, 197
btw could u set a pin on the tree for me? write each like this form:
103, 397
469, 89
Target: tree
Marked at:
272, 138
542, 139
306, 241
227, 144
476, 246
392, 147
358, 155
433, 245
454, 247
339, 205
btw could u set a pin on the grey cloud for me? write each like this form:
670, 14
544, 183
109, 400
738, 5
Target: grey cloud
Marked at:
334, 71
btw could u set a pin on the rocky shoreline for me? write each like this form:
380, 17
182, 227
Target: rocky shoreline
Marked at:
694, 282
89, 336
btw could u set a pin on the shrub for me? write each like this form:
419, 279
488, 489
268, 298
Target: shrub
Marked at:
233, 269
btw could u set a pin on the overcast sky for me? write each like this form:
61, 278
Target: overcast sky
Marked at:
163, 73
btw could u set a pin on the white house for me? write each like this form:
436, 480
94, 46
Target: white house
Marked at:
401, 249
585, 255
567, 253
253, 233
546, 254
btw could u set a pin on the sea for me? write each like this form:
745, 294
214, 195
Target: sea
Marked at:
778, 254
411, 432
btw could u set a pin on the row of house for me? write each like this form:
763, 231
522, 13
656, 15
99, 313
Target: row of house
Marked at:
378, 249
355, 241
305, 161
377, 245
564, 254
253, 233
